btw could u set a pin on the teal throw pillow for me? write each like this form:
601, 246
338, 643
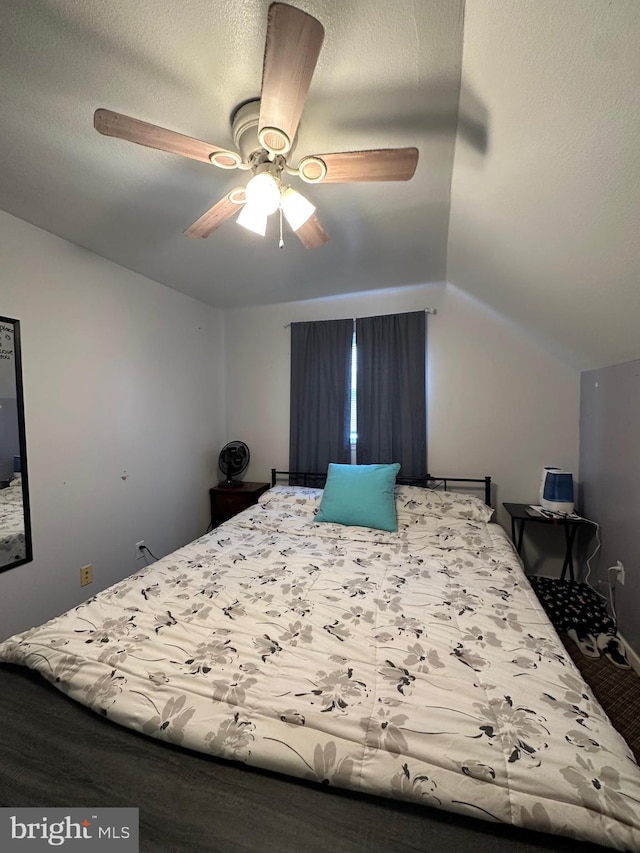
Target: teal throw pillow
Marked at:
361, 495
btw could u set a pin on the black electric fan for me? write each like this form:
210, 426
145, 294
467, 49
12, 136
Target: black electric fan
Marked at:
233, 460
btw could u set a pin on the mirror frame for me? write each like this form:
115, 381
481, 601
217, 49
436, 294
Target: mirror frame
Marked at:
23, 446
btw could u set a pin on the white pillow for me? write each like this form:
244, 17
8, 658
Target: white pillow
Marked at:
291, 498
414, 500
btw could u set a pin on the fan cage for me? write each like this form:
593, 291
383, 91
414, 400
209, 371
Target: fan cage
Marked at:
232, 461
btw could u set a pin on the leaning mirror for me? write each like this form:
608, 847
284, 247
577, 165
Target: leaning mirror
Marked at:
15, 526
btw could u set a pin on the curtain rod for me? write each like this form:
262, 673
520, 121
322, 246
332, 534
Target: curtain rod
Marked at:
432, 311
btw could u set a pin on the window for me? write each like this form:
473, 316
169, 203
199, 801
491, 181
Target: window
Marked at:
353, 408
358, 393
320, 394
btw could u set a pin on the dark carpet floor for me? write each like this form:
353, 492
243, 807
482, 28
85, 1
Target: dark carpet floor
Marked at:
55, 752
617, 690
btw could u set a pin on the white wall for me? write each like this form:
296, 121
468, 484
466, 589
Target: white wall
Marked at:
499, 404
544, 218
609, 468
120, 375
124, 375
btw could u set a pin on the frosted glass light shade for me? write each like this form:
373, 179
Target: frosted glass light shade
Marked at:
296, 208
253, 218
263, 192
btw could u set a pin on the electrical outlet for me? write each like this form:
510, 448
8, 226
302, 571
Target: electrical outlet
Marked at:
86, 575
140, 550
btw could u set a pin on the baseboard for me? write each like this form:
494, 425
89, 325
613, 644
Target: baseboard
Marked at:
632, 656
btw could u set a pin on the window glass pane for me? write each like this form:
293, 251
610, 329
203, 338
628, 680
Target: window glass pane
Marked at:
353, 420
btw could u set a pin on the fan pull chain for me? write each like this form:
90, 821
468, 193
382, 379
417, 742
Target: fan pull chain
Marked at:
281, 243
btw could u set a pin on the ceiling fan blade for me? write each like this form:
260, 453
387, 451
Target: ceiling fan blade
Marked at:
216, 215
386, 164
312, 234
293, 44
134, 130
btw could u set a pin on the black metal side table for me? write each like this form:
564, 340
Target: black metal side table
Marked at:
520, 513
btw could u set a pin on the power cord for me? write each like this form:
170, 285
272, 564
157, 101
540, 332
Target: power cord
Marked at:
611, 587
612, 595
590, 558
144, 548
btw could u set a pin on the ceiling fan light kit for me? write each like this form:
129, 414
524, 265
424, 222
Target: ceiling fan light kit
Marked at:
296, 208
265, 195
265, 133
253, 219
263, 190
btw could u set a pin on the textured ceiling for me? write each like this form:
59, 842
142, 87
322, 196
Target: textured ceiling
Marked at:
537, 215
388, 76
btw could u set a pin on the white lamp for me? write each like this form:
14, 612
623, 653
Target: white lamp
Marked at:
296, 208
264, 196
263, 191
253, 218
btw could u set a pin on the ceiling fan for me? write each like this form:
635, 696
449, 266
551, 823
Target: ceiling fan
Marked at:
264, 132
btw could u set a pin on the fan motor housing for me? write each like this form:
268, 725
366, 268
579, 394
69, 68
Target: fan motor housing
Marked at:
244, 125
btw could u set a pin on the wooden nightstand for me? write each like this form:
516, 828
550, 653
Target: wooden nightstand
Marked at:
227, 502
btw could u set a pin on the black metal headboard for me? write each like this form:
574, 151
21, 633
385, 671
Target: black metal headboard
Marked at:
317, 481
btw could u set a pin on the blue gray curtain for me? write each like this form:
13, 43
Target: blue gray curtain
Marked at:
320, 393
391, 396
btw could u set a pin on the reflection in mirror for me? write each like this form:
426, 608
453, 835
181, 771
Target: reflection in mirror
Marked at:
15, 526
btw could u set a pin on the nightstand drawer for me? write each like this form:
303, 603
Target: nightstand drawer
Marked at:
228, 505
227, 502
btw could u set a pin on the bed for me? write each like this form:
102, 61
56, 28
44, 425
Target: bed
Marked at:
414, 665
12, 534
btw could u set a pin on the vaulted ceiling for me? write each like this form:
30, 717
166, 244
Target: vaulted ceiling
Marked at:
526, 114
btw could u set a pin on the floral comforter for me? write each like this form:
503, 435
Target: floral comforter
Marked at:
416, 665
12, 538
